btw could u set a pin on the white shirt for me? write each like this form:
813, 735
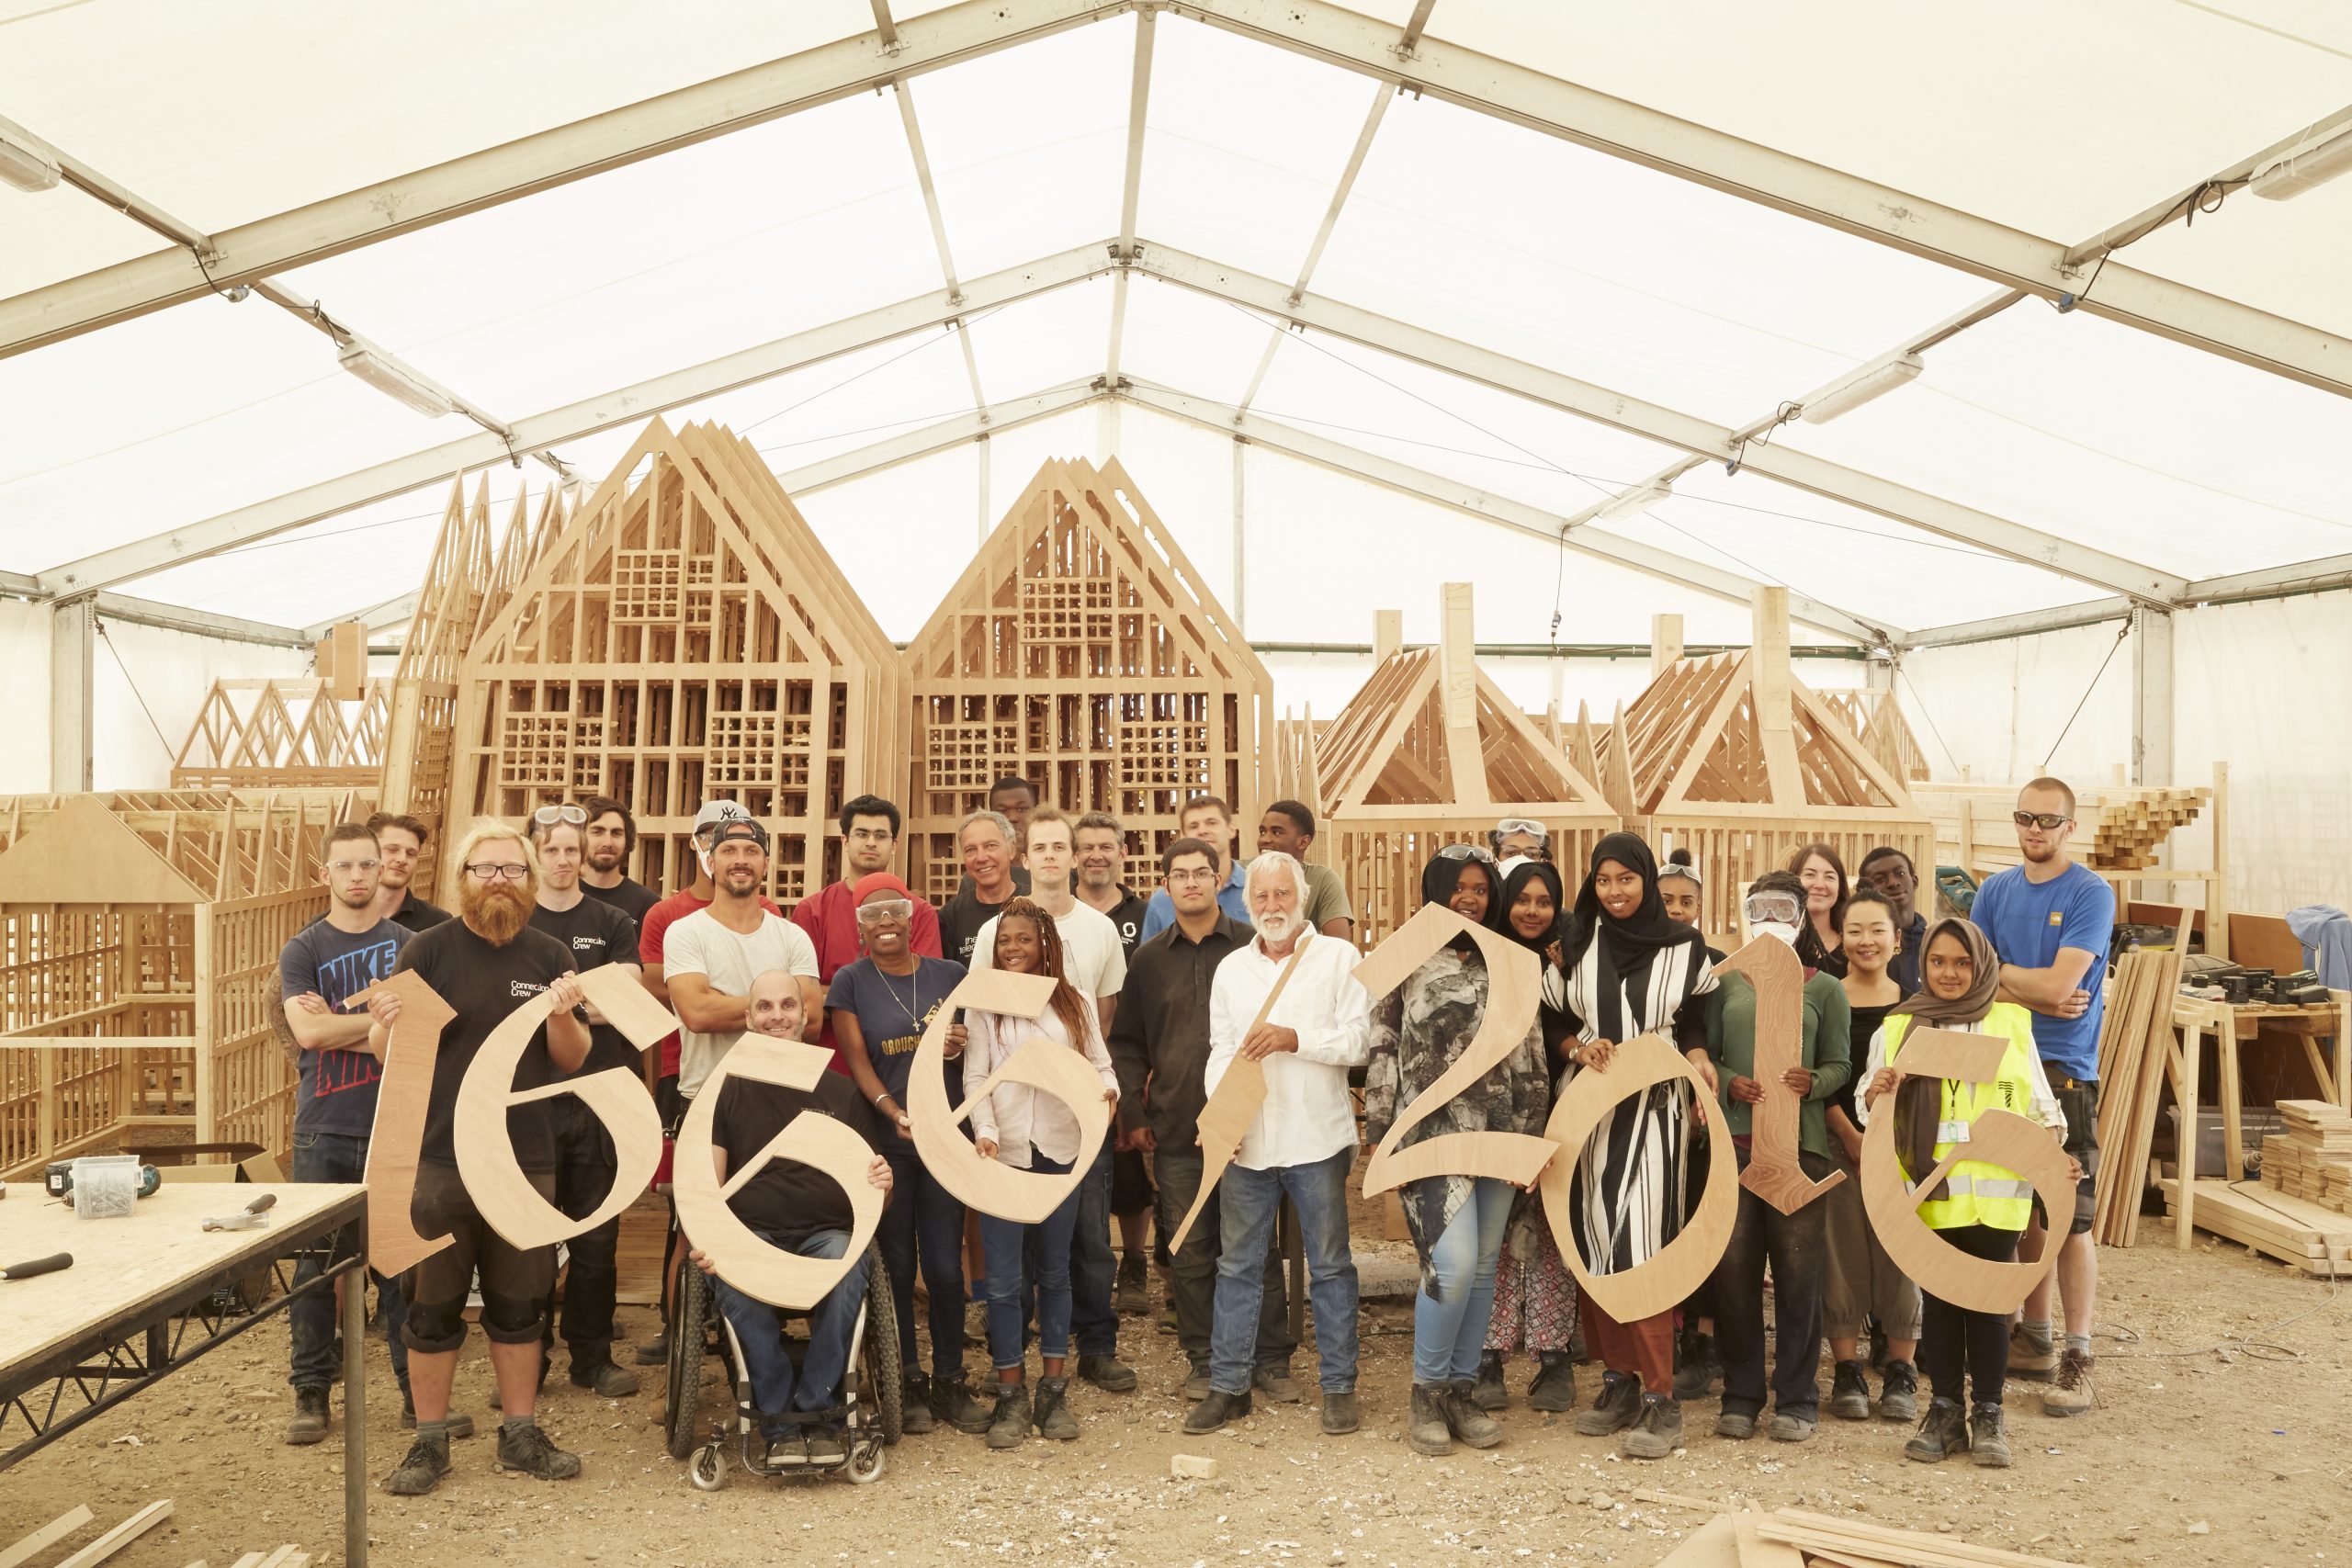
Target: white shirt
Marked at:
1308, 1115
1093, 958
729, 961
1017, 1116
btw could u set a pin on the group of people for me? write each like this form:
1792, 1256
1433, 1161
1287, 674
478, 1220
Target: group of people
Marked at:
1162, 991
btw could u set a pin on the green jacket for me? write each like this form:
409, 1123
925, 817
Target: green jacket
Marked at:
1824, 1047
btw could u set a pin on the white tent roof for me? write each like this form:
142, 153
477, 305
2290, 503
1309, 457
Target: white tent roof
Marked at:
1505, 259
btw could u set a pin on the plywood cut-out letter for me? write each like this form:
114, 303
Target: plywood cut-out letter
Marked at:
393, 1246
1514, 982
1996, 1137
1241, 1094
760, 1269
486, 1155
1680, 1266
991, 1186
1773, 1174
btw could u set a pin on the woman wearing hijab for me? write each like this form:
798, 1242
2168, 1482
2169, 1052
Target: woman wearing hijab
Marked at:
1626, 971
1979, 1208
1535, 1296
1417, 1031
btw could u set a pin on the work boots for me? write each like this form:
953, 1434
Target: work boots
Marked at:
1943, 1431
1008, 1427
1898, 1392
310, 1419
2031, 1358
1426, 1431
1108, 1373
2070, 1392
1489, 1393
1052, 1418
1466, 1420
1131, 1294
1658, 1432
1988, 1437
1554, 1387
427, 1462
1696, 1365
1849, 1393
914, 1401
1212, 1412
1618, 1406
952, 1401
529, 1451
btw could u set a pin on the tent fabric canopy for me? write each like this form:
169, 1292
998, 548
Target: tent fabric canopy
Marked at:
1343, 234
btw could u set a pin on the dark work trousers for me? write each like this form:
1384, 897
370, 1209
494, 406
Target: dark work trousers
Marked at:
923, 1221
1701, 1303
1955, 1343
1798, 1247
336, 1156
1193, 1273
584, 1169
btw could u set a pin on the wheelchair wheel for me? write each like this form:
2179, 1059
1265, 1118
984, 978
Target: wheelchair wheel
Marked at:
882, 1384
865, 1465
708, 1471
689, 1324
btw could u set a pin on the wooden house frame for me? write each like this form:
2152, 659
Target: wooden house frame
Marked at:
681, 636
139, 935
1734, 757
285, 734
1430, 752
1081, 652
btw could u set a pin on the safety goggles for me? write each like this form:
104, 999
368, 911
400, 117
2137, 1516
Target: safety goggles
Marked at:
1478, 853
881, 909
345, 867
1773, 907
2048, 821
549, 815
1511, 825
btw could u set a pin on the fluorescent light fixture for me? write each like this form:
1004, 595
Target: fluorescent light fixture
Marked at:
26, 163
2312, 164
1874, 382
1632, 501
392, 378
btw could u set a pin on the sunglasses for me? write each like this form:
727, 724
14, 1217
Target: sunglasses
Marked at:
2048, 821
549, 815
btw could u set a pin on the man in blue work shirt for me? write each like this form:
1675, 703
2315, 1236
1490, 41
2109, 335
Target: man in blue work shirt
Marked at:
2051, 921
1208, 818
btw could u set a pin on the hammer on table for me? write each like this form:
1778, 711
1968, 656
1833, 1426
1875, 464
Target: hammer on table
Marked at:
49, 1265
249, 1217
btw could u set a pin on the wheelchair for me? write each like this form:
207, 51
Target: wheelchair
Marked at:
869, 1415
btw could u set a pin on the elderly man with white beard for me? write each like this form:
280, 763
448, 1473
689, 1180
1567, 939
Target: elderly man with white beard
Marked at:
1301, 1143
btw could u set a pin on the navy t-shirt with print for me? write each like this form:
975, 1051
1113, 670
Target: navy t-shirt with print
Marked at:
892, 1012
337, 1088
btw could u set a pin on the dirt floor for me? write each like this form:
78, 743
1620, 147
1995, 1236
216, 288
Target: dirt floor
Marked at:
2194, 1455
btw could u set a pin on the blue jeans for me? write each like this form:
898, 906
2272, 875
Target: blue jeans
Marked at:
767, 1365
1449, 1334
1248, 1201
1005, 1244
924, 1219
336, 1157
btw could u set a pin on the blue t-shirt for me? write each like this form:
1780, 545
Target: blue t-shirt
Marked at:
1233, 898
892, 1012
337, 1088
2027, 923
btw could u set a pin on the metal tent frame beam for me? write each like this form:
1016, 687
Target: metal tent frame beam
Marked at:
2325, 575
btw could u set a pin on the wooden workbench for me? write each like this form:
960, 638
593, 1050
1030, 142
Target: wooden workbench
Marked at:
2193, 1017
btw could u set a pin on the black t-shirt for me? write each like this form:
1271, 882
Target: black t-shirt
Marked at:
596, 934
960, 922
630, 897
1126, 916
1865, 1025
483, 984
787, 1200
416, 914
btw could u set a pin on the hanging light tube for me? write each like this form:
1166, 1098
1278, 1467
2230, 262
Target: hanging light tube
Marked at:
392, 378
1874, 382
1632, 501
2306, 168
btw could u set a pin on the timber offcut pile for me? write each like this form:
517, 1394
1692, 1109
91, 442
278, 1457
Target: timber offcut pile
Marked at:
2130, 830
2311, 1236
2135, 1041
1794, 1539
2313, 1158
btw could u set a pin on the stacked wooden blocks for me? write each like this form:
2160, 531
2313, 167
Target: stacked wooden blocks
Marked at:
2313, 1158
2133, 828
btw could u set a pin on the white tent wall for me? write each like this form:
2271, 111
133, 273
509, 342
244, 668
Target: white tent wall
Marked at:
24, 696
1999, 709
168, 672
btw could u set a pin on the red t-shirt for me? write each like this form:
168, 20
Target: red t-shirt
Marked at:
831, 919
650, 933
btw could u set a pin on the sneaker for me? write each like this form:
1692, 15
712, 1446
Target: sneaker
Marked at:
1426, 1429
1052, 1415
789, 1451
427, 1462
1988, 1437
1943, 1431
310, 1419
1898, 1392
2069, 1392
1275, 1384
1466, 1420
1008, 1427
1108, 1373
654, 1351
1789, 1427
825, 1447
1736, 1424
1196, 1382
1131, 1294
914, 1401
1341, 1415
1698, 1366
1659, 1431
1489, 1392
2030, 1357
454, 1423
606, 1377
1616, 1407
1554, 1387
1849, 1393
531, 1451
1212, 1413
952, 1401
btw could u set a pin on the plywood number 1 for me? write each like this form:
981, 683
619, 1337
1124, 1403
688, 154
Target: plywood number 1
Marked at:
1773, 1174
393, 1246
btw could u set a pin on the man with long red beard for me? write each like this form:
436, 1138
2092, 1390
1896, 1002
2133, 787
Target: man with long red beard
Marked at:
482, 965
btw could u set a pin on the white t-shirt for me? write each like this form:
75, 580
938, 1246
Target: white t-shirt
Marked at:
729, 961
1092, 955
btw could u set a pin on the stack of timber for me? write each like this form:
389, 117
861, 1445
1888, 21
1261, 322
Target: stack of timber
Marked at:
2313, 1158
2309, 1236
2131, 827
1792, 1538
2135, 1043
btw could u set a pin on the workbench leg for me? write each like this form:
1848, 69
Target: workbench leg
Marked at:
2192, 1049
2343, 1000
354, 1419
2225, 1061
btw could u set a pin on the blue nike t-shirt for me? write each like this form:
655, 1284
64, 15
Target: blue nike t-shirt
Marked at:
2027, 923
337, 1091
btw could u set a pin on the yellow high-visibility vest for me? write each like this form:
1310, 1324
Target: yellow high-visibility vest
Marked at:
1979, 1193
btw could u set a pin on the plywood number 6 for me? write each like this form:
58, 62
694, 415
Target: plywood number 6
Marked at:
1514, 981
